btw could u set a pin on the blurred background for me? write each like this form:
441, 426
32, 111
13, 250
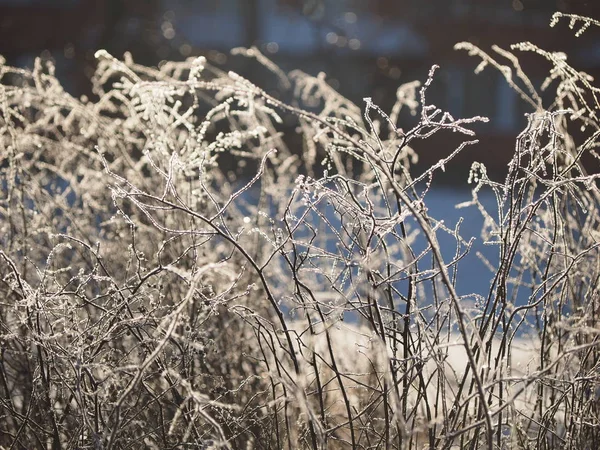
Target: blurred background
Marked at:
367, 48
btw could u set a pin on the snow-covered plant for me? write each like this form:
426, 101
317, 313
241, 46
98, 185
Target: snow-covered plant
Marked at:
188, 261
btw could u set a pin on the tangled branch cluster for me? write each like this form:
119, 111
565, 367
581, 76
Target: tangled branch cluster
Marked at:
153, 295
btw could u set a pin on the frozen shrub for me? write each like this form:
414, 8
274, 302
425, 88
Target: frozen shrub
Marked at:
174, 275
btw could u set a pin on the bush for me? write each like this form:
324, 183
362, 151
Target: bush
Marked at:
154, 295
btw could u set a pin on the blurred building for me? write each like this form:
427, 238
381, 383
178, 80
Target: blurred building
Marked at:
367, 48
